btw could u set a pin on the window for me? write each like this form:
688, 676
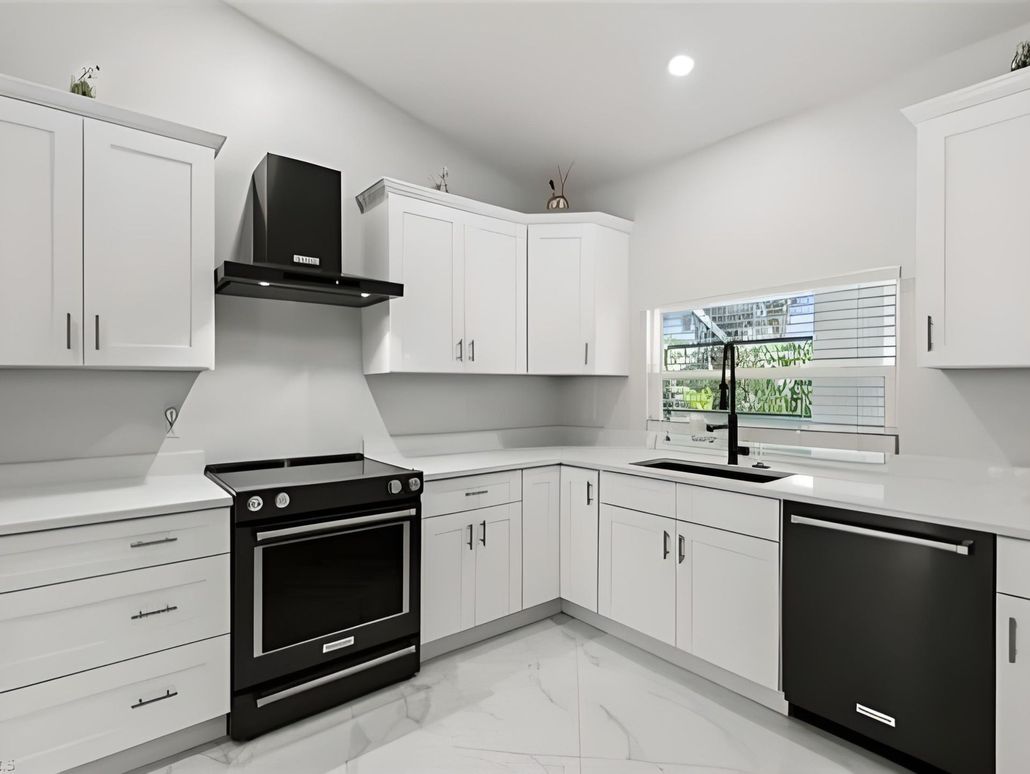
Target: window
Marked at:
819, 357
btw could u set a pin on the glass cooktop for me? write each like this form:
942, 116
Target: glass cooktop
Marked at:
301, 471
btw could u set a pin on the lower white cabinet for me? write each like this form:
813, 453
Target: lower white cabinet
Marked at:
728, 601
471, 569
541, 509
60, 724
637, 571
1013, 683
578, 527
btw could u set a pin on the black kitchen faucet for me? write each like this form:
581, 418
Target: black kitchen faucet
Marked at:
729, 352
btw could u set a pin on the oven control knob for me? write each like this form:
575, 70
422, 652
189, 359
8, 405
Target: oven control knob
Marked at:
394, 486
255, 503
414, 484
282, 500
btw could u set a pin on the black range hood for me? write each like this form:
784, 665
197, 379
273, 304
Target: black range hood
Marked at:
296, 212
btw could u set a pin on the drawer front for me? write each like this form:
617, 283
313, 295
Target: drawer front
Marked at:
637, 493
38, 558
63, 723
1014, 567
452, 495
746, 514
70, 627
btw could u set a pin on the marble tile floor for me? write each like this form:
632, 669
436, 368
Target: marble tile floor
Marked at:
557, 697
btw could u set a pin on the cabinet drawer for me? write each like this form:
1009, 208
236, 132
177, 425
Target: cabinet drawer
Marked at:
452, 495
53, 556
1014, 567
639, 494
746, 514
70, 627
63, 723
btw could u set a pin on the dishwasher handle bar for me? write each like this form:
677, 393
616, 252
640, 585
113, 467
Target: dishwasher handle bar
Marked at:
941, 545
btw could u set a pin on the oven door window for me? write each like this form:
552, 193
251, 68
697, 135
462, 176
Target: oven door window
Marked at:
315, 586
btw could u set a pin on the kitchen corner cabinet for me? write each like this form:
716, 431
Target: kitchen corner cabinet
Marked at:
578, 299
471, 569
463, 309
541, 515
973, 225
578, 526
106, 241
1012, 660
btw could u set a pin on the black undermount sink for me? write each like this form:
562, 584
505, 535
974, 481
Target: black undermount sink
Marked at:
720, 471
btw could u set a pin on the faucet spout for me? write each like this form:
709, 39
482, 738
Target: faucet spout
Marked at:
729, 354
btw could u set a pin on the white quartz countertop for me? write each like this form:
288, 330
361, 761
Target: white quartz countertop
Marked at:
976, 497
53, 505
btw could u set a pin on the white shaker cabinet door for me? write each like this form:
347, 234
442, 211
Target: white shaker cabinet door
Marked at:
578, 527
541, 513
148, 250
637, 571
495, 296
40, 236
498, 535
1013, 686
728, 601
448, 575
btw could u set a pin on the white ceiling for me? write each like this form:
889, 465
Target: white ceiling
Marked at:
529, 84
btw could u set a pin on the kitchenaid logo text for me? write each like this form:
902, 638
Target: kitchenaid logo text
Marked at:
308, 259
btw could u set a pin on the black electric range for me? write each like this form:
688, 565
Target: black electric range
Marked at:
325, 583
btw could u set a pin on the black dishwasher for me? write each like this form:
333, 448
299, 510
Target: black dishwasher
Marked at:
888, 634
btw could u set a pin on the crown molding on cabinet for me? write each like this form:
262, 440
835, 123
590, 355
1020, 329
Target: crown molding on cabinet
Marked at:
26, 91
978, 93
376, 194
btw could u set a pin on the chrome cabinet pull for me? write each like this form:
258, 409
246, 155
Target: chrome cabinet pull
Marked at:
461, 349
665, 544
96, 331
586, 353
590, 490
159, 541
1012, 640
68, 331
472, 350
470, 537
929, 333
962, 548
683, 548
168, 694
165, 609
482, 525
476, 492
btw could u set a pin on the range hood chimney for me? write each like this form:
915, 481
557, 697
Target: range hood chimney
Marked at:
296, 212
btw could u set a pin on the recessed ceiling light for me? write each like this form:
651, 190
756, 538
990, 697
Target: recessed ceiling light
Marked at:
680, 65
264, 284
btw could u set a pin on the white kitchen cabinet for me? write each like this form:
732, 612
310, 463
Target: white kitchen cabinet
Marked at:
727, 601
40, 236
578, 318
973, 226
1013, 684
471, 569
541, 516
578, 536
148, 249
637, 571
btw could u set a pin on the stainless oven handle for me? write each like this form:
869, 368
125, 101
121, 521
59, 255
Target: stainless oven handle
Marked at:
305, 529
940, 545
288, 692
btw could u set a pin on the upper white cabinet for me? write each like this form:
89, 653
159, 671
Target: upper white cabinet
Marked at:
40, 236
487, 290
973, 225
578, 299
106, 235
148, 246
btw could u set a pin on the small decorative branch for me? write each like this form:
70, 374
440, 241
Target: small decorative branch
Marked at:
1022, 57
83, 85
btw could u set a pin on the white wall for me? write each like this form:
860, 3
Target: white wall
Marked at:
288, 377
822, 193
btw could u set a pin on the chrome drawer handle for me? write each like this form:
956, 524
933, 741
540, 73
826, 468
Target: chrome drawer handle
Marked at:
1012, 640
143, 703
165, 609
477, 492
142, 543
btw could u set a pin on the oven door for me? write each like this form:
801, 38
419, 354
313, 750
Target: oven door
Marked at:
311, 592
